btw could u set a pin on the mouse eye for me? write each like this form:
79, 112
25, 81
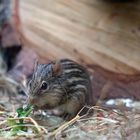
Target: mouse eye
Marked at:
44, 85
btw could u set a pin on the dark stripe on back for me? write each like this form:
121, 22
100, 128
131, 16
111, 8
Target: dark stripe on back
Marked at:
76, 74
70, 66
80, 82
74, 90
66, 60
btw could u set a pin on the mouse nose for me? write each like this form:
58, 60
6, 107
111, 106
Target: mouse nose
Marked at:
31, 100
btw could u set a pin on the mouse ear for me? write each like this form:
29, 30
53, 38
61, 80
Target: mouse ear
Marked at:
56, 68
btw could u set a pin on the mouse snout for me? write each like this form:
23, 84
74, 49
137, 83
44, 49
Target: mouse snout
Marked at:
32, 100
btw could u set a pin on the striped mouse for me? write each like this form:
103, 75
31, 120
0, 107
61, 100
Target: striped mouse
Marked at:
62, 84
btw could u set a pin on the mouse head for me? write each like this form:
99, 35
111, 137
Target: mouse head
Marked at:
44, 87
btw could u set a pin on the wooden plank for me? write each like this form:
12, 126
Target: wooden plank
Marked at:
92, 33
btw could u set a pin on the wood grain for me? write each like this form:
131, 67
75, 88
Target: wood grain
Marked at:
88, 31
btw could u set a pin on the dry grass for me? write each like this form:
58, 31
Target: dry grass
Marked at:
97, 124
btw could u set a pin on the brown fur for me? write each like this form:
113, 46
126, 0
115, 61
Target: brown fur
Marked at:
67, 88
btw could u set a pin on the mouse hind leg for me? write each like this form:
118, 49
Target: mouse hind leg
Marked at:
73, 106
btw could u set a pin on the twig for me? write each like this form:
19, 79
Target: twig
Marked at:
28, 125
104, 92
64, 126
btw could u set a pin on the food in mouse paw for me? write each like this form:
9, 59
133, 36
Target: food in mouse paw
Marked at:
63, 84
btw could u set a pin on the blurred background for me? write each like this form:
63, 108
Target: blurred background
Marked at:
89, 31
102, 35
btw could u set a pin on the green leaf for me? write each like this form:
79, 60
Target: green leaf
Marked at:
24, 112
16, 125
11, 122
